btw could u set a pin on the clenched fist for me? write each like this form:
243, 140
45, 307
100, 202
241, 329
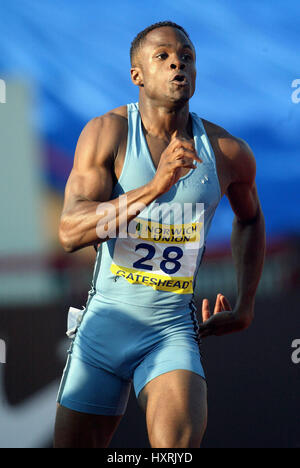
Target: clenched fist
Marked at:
179, 153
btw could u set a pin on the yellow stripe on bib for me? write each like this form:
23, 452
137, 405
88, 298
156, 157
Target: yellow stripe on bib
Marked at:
177, 285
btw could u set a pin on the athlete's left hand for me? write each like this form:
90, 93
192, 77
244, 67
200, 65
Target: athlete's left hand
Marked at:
224, 320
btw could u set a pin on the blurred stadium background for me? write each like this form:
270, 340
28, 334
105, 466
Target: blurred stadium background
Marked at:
63, 63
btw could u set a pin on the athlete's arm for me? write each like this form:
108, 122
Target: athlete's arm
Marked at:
89, 215
248, 247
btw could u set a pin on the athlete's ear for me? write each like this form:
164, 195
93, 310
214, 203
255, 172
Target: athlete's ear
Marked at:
137, 76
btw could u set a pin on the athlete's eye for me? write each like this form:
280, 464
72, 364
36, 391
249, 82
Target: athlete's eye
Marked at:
162, 56
187, 57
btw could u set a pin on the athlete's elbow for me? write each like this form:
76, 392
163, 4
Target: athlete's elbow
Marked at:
245, 320
66, 236
69, 248
66, 243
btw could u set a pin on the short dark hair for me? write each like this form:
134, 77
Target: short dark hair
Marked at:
137, 41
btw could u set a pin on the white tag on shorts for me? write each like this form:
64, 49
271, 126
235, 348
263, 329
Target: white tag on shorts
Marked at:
74, 319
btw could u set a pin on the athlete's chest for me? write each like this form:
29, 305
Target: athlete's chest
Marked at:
147, 162
153, 147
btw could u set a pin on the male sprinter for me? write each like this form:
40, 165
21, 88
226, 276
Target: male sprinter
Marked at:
139, 324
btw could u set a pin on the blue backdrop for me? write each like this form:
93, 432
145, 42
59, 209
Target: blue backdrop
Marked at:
75, 57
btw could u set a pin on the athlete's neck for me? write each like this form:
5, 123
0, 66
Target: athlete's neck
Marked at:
161, 122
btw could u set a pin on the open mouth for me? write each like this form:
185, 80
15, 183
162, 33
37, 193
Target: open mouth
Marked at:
180, 80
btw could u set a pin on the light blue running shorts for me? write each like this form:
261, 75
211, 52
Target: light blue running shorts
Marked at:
116, 344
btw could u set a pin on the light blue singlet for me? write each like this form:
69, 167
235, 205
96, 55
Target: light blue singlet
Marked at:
140, 270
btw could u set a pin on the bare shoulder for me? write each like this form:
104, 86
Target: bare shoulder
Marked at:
101, 137
109, 124
117, 118
235, 152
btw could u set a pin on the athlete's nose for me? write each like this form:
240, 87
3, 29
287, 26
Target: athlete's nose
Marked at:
177, 64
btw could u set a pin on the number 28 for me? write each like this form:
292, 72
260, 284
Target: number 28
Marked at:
163, 264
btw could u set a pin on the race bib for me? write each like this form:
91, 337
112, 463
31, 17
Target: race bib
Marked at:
163, 256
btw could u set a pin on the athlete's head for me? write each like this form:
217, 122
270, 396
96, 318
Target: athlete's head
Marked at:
163, 63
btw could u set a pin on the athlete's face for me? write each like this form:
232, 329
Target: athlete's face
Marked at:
166, 66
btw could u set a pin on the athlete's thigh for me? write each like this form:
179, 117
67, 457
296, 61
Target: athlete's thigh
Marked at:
75, 429
176, 409
91, 404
